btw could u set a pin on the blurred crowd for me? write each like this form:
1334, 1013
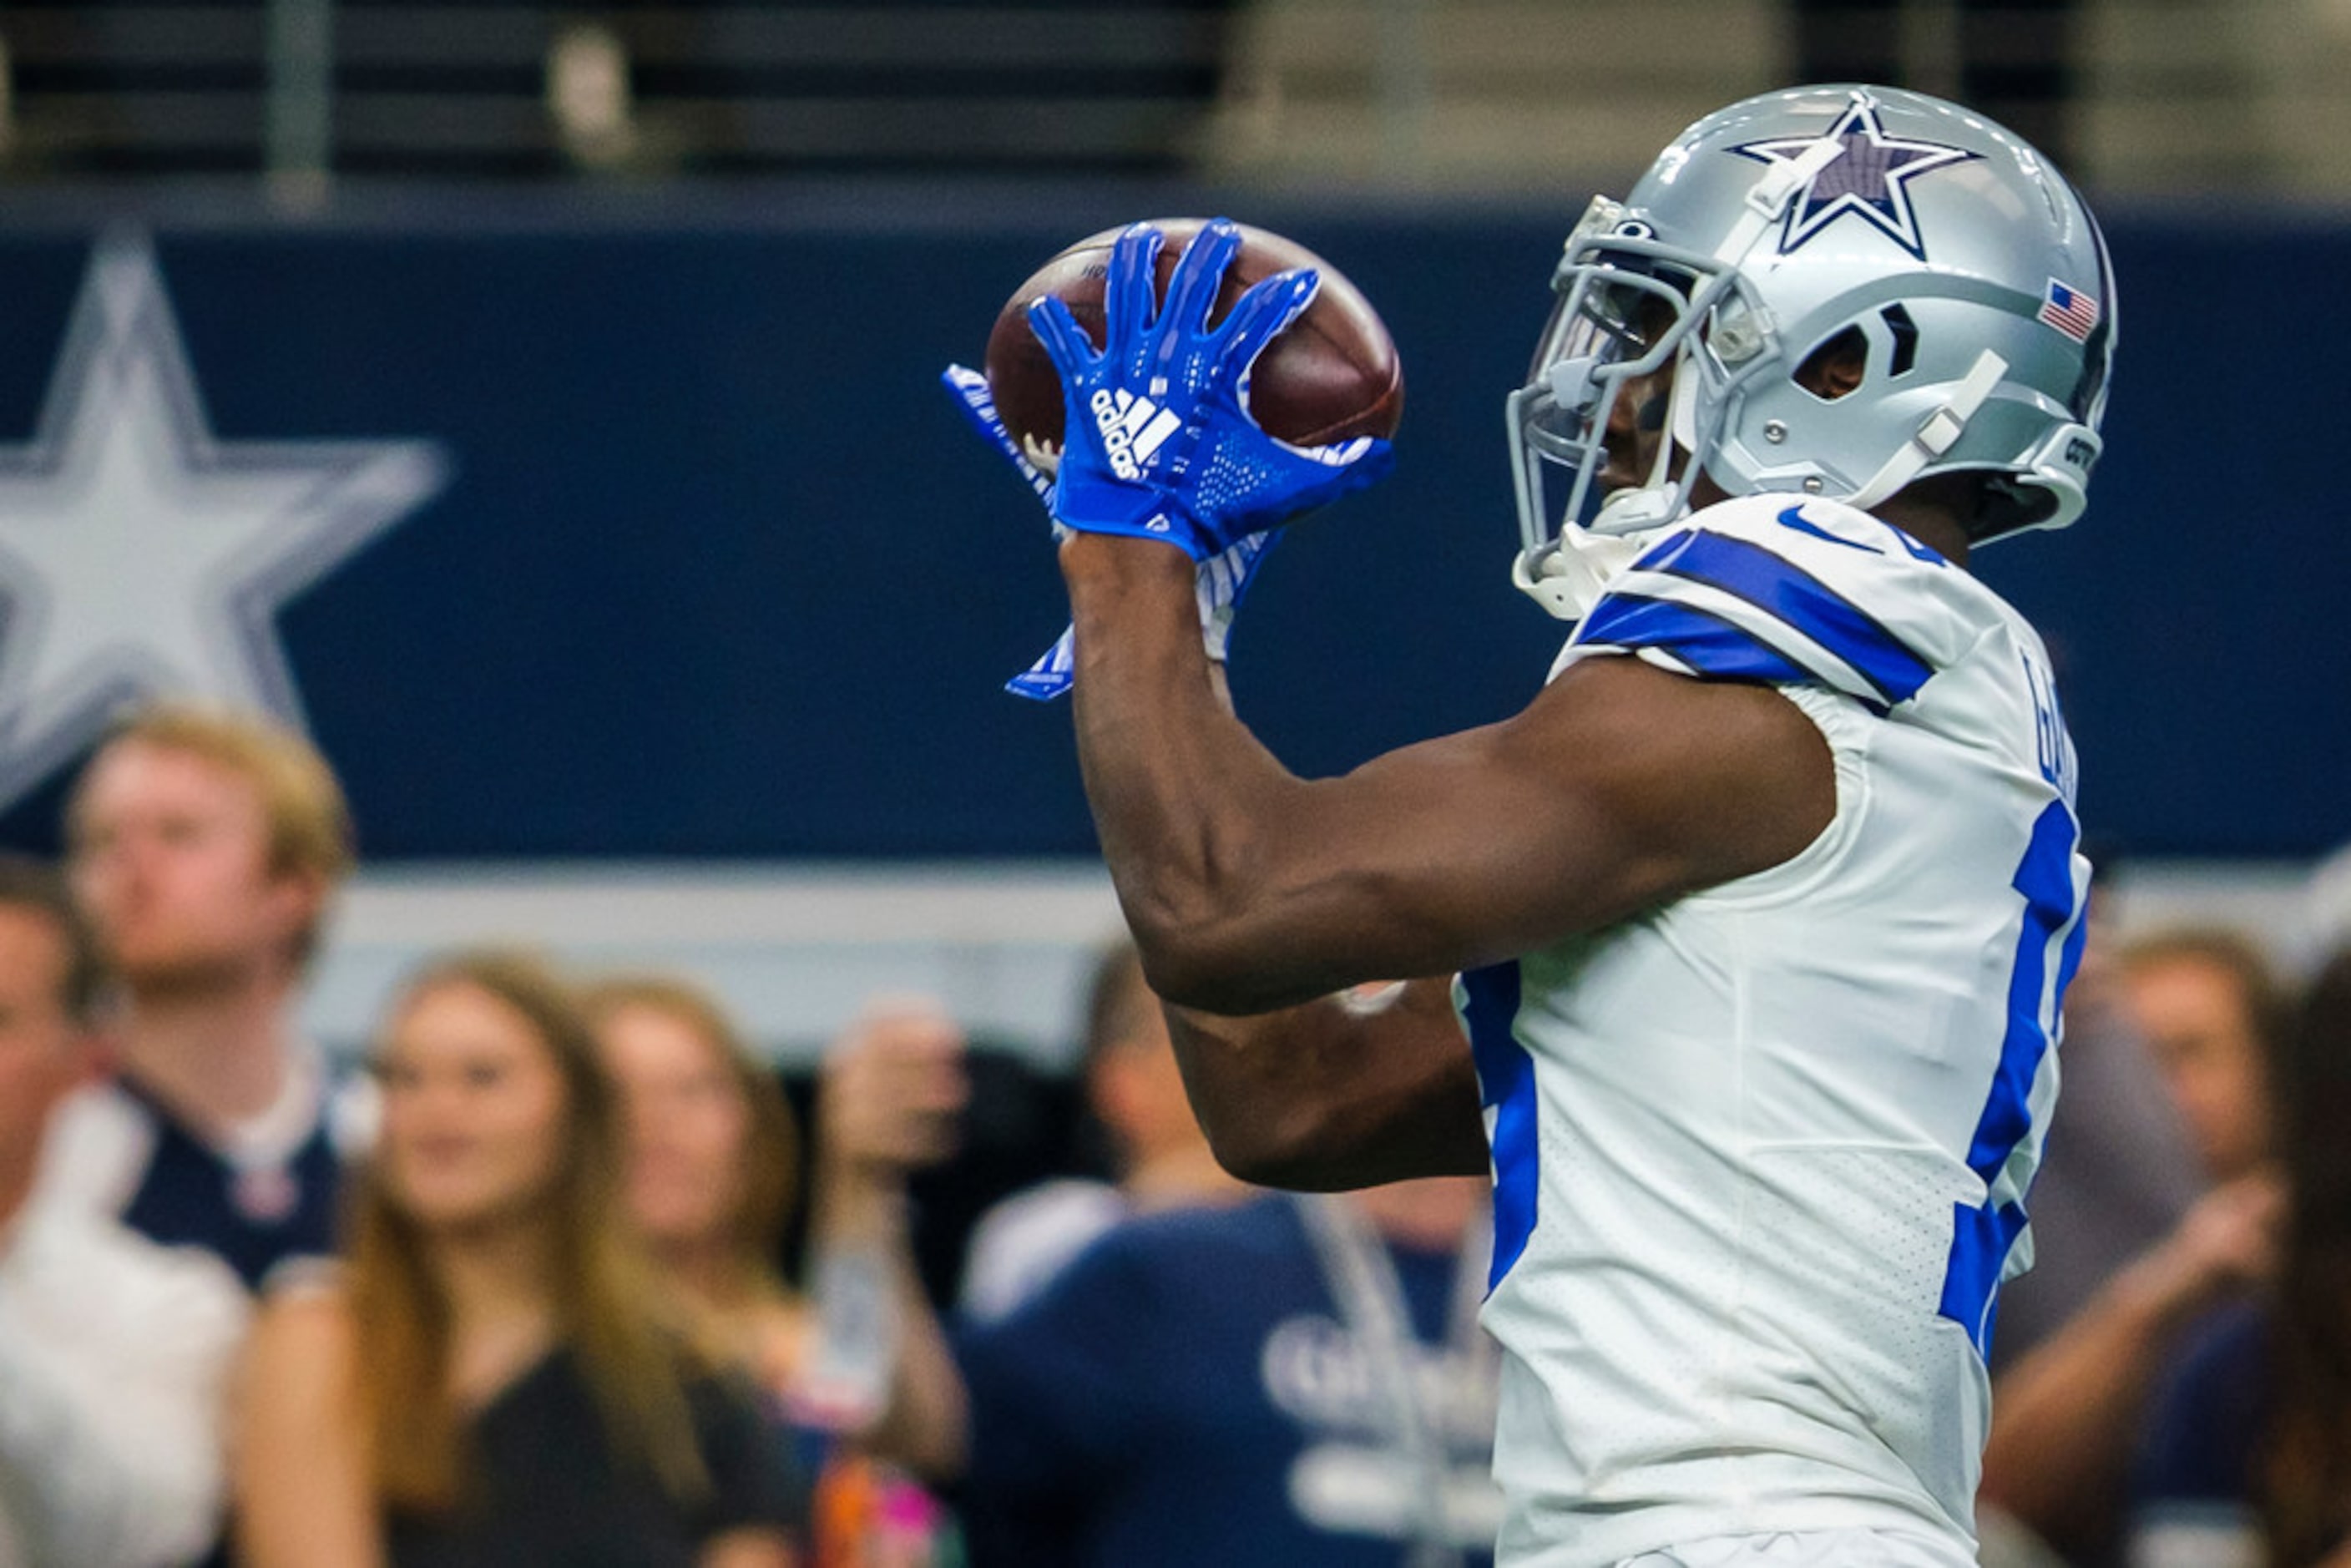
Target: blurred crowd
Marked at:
570, 1275
566, 1276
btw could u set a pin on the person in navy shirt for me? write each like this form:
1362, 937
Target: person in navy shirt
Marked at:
1207, 1387
1296, 1380
205, 848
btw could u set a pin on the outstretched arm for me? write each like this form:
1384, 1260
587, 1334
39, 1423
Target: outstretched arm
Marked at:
1249, 890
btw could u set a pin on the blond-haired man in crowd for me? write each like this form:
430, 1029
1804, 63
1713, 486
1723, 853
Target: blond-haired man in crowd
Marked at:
205, 848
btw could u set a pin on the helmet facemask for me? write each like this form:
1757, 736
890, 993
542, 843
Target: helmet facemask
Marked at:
1627, 307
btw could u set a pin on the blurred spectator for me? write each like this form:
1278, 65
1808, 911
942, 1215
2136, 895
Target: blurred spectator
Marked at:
2119, 1172
2126, 1255
2065, 1419
114, 1351
495, 1377
589, 97
2248, 1459
713, 1173
204, 849
1022, 1124
713, 1165
882, 1113
2210, 1010
1136, 1094
1295, 1381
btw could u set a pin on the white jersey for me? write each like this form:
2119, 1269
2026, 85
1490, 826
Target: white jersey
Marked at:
1760, 1156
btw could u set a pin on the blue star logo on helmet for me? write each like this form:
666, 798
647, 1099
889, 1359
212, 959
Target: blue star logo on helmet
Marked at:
1867, 177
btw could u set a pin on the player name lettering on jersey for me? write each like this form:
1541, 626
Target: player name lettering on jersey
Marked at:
2052, 746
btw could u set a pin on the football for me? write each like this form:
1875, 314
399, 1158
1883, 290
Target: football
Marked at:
1330, 375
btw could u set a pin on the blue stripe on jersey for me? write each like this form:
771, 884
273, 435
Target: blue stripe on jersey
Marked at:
1979, 1247
1506, 1083
1788, 592
1983, 1234
2046, 879
1706, 643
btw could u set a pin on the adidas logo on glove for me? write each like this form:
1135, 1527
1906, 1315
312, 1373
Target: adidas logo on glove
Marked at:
1133, 428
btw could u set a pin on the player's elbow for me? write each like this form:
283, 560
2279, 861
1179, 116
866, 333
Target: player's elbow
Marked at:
1257, 1164
1175, 974
1183, 930
1264, 1140
1300, 1146
1240, 957
1282, 1165
1192, 967
1234, 919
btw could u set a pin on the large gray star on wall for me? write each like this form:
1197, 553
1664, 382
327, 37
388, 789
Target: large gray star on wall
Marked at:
139, 556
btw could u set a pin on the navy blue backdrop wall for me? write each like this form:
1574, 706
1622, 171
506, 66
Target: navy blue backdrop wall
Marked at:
716, 570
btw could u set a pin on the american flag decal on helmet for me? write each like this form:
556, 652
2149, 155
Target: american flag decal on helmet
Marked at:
2070, 310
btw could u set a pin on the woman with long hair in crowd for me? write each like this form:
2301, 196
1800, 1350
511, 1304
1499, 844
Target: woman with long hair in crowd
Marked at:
493, 1376
713, 1167
2248, 1461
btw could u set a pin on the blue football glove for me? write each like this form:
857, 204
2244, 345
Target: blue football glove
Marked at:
1223, 578
1159, 443
969, 389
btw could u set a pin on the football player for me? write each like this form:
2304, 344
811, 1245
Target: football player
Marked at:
1745, 939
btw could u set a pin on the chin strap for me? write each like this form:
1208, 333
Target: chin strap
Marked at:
1938, 434
1568, 577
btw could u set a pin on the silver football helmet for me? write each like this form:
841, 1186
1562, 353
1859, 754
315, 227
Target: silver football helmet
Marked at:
1960, 265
